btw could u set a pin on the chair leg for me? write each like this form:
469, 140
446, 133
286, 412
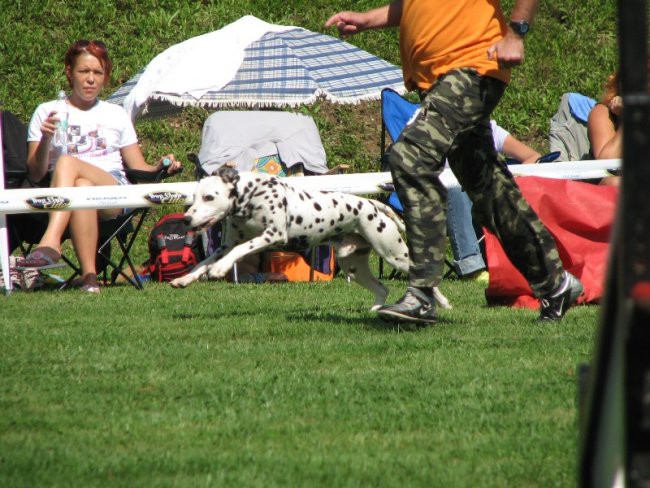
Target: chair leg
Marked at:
76, 271
125, 244
118, 268
451, 270
312, 263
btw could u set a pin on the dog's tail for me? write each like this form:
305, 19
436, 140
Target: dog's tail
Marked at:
389, 212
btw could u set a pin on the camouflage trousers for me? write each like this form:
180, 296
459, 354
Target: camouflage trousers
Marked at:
454, 124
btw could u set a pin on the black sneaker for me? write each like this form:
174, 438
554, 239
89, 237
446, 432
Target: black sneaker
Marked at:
555, 305
414, 306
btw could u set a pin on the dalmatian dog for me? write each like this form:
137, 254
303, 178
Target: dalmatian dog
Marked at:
262, 211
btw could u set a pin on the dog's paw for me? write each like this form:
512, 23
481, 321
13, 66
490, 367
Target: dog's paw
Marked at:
181, 282
218, 271
442, 300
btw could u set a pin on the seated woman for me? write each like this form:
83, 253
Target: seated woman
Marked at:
100, 140
605, 126
468, 260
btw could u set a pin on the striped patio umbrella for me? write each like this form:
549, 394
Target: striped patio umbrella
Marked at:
279, 69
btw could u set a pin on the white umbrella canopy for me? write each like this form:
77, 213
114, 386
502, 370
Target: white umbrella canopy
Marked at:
256, 64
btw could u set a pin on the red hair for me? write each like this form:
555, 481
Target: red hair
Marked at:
611, 88
94, 48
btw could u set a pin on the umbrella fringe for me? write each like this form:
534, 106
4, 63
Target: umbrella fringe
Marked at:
181, 102
360, 98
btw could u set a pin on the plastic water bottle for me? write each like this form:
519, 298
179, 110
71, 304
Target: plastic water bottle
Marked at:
61, 134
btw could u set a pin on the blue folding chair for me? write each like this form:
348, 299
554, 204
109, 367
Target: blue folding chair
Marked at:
396, 111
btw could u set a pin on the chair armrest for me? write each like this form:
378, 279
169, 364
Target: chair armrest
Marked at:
141, 176
14, 178
338, 169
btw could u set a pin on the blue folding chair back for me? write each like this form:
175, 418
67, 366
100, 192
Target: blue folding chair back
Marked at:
396, 111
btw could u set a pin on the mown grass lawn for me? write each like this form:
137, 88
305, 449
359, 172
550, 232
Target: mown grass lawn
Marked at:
284, 385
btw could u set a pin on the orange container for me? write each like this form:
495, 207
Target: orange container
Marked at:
295, 267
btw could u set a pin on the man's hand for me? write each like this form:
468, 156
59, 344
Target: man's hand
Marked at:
509, 51
347, 23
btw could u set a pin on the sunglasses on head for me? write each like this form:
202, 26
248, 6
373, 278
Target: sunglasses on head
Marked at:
83, 43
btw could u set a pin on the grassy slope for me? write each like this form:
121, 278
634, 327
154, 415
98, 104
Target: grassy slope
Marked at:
572, 48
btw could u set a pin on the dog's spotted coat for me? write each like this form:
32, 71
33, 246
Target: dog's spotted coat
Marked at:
265, 212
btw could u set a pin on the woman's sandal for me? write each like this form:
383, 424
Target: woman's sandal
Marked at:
90, 288
41, 258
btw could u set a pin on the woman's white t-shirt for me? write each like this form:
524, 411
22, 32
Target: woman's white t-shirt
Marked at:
499, 135
95, 135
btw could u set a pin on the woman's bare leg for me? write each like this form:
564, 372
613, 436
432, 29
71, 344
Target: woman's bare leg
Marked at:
84, 232
70, 171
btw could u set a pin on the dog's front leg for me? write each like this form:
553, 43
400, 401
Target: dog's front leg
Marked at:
199, 270
225, 264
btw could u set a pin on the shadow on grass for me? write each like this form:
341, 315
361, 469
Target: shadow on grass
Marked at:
359, 317
371, 322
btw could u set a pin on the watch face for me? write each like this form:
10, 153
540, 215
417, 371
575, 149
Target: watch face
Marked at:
520, 28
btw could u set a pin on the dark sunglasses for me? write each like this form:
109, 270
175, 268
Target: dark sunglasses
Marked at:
83, 43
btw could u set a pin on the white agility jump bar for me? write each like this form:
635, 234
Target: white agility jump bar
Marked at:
151, 195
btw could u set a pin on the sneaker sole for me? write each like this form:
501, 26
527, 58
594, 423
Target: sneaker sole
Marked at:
390, 316
573, 298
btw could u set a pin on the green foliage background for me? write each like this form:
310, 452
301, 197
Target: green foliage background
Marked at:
571, 48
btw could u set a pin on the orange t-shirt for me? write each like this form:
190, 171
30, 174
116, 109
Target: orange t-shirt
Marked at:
437, 36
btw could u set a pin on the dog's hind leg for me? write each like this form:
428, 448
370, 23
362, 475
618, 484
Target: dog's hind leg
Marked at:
355, 265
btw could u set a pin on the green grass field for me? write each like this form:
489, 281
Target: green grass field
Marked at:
284, 385
292, 384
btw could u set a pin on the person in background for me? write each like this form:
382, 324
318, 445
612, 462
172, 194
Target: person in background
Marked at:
100, 140
458, 56
605, 126
468, 260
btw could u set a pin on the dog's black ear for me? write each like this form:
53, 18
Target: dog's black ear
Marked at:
227, 174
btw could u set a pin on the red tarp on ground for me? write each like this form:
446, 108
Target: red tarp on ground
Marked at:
580, 218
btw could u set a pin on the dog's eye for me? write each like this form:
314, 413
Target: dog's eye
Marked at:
208, 198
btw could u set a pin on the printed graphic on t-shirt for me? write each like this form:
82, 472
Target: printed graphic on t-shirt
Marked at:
92, 144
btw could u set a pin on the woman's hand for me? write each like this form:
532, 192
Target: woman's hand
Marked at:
170, 164
616, 105
49, 125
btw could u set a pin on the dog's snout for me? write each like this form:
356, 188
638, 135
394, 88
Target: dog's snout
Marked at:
187, 219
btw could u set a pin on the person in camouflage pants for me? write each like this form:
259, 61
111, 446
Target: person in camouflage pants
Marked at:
458, 55
417, 158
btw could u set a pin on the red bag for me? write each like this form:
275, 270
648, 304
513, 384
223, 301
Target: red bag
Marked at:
174, 249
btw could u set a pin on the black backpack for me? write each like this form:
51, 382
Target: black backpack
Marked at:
174, 248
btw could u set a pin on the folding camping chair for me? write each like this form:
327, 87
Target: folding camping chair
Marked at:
568, 133
274, 142
26, 230
396, 111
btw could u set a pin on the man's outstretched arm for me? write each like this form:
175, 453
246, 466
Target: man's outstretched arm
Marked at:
349, 23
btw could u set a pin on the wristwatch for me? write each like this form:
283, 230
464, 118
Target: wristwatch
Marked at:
521, 27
